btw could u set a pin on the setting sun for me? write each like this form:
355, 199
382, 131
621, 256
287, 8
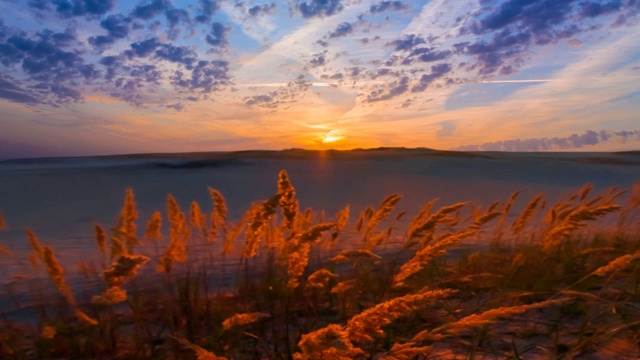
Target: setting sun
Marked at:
332, 136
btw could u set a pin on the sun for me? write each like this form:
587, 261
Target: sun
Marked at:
332, 136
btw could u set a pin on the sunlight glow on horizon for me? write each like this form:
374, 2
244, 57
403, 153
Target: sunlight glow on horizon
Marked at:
207, 75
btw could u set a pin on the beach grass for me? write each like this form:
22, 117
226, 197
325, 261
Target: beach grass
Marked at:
517, 279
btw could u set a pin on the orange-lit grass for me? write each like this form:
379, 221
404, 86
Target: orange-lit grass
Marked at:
299, 292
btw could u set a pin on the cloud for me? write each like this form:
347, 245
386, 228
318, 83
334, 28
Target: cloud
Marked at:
143, 48
12, 92
217, 36
574, 141
258, 10
284, 95
594, 9
207, 9
151, 9
205, 77
386, 6
176, 54
391, 90
408, 42
117, 26
437, 71
176, 16
319, 8
68, 8
343, 29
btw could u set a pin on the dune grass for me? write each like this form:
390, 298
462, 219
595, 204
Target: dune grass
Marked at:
552, 281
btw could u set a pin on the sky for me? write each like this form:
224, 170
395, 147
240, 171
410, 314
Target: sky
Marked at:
93, 77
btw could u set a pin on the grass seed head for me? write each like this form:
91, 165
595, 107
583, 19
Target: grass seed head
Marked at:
243, 319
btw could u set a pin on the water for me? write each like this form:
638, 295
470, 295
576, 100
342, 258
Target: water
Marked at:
61, 199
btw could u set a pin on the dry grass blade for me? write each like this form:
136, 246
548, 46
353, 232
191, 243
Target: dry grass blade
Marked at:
344, 286
573, 221
519, 223
35, 243
260, 215
487, 317
342, 218
320, 278
484, 219
126, 228
512, 199
196, 217
101, 238
201, 354
348, 255
243, 319
153, 226
112, 295
381, 213
179, 234
218, 218
54, 269
617, 264
406, 351
5, 250
426, 227
331, 342
365, 215
315, 232
426, 254
368, 324
287, 200
123, 269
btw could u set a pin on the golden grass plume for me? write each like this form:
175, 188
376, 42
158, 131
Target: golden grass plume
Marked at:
243, 319
287, 200
201, 353
368, 324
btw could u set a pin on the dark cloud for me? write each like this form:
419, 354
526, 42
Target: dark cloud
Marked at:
205, 77
284, 95
176, 106
207, 9
258, 10
177, 54
13, 92
263, 101
314, 8
392, 90
500, 55
10, 55
146, 73
67, 8
387, 5
176, 16
58, 39
117, 26
574, 141
217, 36
437, 71
343, 29
507, 33
430, 54
408, 42
594, 9
39, 4
143, 48
318, 60
151, 9
89, 72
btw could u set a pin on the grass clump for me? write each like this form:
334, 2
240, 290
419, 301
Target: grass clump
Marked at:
458, 281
